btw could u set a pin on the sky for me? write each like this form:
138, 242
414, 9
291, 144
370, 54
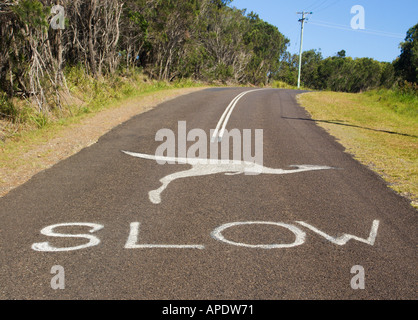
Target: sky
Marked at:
329, 27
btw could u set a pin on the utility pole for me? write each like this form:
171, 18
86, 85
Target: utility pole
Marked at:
302, 21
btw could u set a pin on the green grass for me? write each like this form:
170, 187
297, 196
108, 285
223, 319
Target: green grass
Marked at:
99, 93
397, 102
380, 128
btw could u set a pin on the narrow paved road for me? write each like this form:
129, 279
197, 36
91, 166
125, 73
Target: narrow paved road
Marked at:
225, 235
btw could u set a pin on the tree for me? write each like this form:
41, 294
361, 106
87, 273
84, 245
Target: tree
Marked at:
28, 60
341, 54
367, 74
268, 46
134, 33
407, 64
288, 69
309, 69
223, 43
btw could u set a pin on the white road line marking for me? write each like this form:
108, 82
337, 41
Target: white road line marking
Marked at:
215, 133
227, 113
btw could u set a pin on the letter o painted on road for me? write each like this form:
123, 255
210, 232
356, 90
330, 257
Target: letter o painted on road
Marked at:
300, 235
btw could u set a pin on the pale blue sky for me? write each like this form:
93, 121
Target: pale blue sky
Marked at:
329, 29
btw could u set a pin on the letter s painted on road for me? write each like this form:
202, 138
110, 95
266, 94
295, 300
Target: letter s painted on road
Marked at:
49, 231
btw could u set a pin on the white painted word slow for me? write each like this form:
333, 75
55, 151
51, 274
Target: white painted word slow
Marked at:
133, 238
203, 167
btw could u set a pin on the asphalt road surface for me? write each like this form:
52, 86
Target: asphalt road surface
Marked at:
333, 233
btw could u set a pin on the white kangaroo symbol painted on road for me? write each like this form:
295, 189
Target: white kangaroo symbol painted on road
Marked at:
202, 167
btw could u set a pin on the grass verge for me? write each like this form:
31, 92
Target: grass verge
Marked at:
379, 128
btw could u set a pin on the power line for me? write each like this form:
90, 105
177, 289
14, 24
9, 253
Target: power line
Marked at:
330, 5
368, 31
313, 4
345, 26
319, 6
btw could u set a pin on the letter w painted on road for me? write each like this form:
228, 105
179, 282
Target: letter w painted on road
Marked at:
342, 240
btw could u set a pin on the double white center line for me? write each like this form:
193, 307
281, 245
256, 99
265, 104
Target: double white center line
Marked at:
218, 134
